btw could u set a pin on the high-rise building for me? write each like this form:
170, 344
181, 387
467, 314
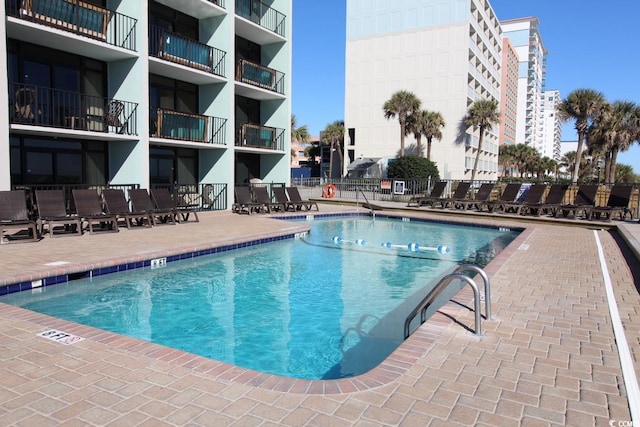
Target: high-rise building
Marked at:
551, 126
524, 35
174, 92
448, 53
508, 94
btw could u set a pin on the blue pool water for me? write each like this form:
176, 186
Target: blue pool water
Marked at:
329, 305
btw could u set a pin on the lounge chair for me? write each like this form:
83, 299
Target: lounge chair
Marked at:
459, 194
141, 202
533, 196
481, 198
14, 215
261, 195
618, 203
436, 193
52, 213
163, 200
280, 194
554, 199
245, 202
294, 196
116, 204
509, 195
89, 209
585, 199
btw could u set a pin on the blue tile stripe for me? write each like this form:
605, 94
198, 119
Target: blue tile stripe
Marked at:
54, 280
25, 286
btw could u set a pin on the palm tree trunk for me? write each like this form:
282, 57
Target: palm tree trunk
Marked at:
341, 157
419, 144
429, 148
402, 131
475, 163
331, 160
576, 167
612, 166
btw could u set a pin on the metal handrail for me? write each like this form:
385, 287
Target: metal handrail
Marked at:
359, 190
487, 286
435, 292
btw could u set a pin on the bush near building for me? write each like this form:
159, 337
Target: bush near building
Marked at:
413, 167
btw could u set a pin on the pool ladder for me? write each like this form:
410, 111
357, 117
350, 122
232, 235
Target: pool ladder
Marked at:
371, 211
441, 286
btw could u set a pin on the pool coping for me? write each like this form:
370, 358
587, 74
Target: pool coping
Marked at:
397, 364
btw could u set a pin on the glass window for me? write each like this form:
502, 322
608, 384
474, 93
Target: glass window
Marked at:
69, 168
42, 161
173, 94
39, 167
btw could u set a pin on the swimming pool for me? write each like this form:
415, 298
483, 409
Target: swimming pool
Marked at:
328, 305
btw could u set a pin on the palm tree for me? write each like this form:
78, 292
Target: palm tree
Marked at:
568, 161
550, 167
506, 158
615, 128
624, 173
433, 122
401, 104
299, 134
415, 124
333, 135
580, 105
483, 113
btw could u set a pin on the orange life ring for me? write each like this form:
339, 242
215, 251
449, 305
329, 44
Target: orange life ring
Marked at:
328, 191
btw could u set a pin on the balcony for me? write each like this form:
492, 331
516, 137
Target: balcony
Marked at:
184, 51
176, 125
260, 76
73, 16
49, 107
259, 23
256, 136
199, 9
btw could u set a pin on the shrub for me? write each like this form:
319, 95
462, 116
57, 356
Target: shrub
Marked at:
413, 167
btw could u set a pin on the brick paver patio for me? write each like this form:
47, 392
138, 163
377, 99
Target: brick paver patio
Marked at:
548, 357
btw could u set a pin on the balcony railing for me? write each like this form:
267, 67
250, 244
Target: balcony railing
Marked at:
171, 124
182, 50
45, 106
259, 75
261, 14
79, 18
257, 136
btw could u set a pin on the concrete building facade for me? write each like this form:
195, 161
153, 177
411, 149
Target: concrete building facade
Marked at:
508, 94
147, 93
524, 35
551, 126
448, 53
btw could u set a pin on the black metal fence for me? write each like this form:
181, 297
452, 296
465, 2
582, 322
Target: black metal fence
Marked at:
203, 196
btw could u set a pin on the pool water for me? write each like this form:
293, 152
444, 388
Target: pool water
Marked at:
329, 305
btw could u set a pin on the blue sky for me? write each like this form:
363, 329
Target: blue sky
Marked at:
590, 43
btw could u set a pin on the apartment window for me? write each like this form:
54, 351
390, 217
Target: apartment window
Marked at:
173, 20
173, 165
173, 94
246, 49
48, 161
